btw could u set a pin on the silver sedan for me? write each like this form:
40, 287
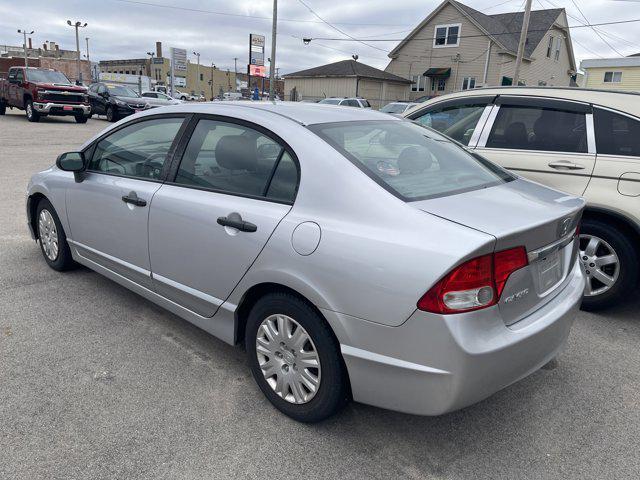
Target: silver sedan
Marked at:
355, 255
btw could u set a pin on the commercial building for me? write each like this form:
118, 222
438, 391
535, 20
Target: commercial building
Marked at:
612, 73
347, 78
456, 48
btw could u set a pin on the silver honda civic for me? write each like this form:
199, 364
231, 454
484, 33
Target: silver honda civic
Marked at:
354, 255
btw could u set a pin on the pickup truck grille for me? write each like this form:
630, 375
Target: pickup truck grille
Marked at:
62, 98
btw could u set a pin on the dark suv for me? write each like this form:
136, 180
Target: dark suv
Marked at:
114, 101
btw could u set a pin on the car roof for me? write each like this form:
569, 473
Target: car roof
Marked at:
624, 101
302, 113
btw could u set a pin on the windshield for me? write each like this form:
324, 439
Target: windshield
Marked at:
47, 76
121, 91
410, 161
330, 101
394, 108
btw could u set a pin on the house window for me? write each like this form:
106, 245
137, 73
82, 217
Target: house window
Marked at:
468, 83
550, 47
447, 35
558, 46
418, 83
201, 76
612, 77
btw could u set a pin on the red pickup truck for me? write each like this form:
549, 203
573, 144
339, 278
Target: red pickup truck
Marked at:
41, 92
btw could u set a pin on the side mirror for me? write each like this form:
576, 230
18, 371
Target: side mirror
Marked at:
71, 162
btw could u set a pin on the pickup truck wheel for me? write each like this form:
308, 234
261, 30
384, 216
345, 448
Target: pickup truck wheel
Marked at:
111, 115
32, 115
81, 119
3, 108
610, 263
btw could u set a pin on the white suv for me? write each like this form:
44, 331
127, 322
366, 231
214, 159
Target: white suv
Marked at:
347, 102
584, 142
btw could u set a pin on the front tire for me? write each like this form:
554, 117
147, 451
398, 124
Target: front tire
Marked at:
52, 239
3, 108
81, 119
111, 115
610, 263
32, 115
295, 359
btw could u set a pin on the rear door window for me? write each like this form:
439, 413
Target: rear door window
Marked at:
539, 128
456, 121
234, 158
410, 161
616, 134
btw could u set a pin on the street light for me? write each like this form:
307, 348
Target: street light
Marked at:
198, 72
77, 25
26, 55
155, 71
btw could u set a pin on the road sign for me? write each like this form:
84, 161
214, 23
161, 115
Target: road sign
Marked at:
179, 59
257, 70
256, 49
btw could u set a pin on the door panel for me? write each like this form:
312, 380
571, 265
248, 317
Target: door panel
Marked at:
196, 262
108, 231
550, 145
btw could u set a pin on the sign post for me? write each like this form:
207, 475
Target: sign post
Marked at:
178, 64
256, 58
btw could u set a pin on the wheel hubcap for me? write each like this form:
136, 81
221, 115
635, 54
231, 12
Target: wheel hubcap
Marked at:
288, 359
29, 110
600, 264
48, 235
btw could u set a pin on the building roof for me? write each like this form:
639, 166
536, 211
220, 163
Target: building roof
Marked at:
503, 28
631, 61
347, 68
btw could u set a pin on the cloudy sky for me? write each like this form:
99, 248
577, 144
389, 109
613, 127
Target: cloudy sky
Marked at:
219, 29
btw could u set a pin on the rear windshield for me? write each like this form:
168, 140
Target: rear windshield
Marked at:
409, 160
47, 76
121, 91
331, 101
394, 108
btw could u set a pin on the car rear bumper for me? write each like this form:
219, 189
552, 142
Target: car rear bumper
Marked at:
52, 108
435, 364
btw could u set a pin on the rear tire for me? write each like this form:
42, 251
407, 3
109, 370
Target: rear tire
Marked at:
600, 267
52, 239
288, 387
81, 119
3, 107
32, 115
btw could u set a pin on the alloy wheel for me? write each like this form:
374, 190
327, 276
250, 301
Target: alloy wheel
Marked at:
288, 359
48, 234
600, 264
29, 110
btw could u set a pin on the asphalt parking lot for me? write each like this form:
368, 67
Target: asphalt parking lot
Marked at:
96, 382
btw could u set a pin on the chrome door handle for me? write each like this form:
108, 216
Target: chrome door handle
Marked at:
566, 166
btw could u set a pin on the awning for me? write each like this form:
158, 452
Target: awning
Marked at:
438, 72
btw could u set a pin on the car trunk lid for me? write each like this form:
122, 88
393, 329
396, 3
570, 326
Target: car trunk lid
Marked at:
521, 213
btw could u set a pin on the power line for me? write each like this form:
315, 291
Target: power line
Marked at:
593, 28
240, 15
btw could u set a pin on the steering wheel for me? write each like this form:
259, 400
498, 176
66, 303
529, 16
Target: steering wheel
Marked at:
149, 170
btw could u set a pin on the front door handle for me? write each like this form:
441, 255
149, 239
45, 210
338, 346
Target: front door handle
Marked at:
566, 166
234, 220
133, 199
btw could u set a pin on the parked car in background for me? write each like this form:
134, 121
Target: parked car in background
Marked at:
583, 142
159, 99
182, 96
425, 279
398, 108
346, 102
41, 92
114, 101
231, 96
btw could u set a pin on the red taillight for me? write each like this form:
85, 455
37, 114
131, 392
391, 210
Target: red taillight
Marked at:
476, 284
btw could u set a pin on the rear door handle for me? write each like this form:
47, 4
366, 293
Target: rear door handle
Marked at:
235, 221
133, 199
566, 166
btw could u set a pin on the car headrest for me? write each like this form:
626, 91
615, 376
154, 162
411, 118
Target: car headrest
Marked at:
237, 152
414, 160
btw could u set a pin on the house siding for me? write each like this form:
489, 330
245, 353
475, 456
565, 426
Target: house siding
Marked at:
594, 78
321, 87
418, 54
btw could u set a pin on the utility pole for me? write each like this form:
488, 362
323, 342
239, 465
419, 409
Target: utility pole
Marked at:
88, 59
272, 64
77, 25
155, 71
213, 67
198, 73
26, 54
523, 41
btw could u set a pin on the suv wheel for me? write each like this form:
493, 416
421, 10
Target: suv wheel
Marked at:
111, 115
81, 119
610, 264
295, 359
53, 241
3, 107
32, 115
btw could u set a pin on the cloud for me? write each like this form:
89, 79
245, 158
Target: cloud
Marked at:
119, 29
